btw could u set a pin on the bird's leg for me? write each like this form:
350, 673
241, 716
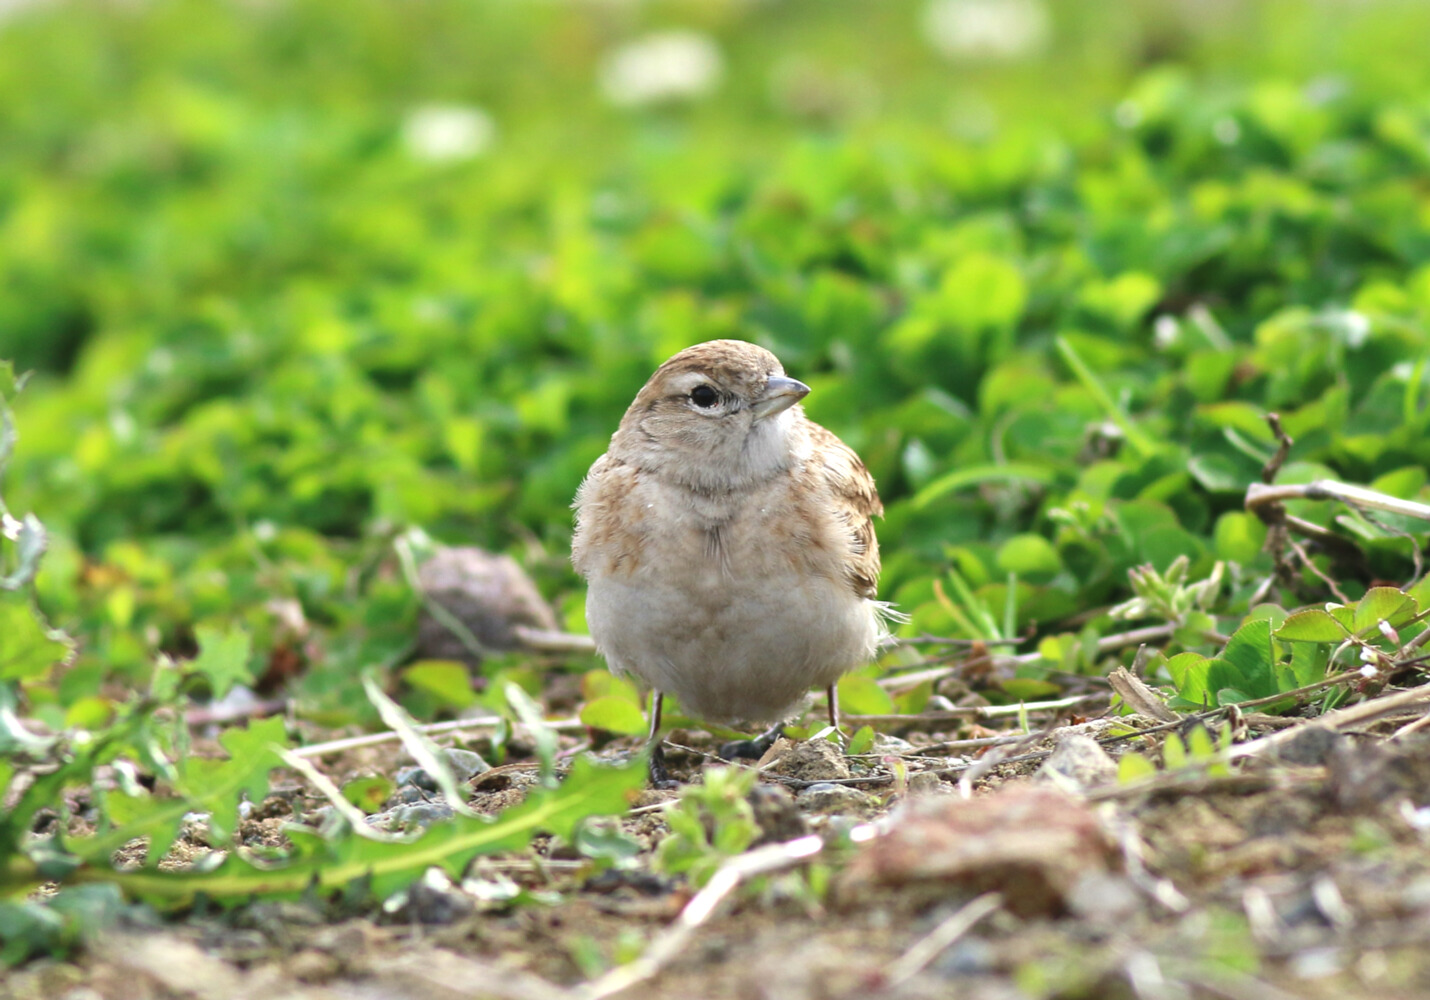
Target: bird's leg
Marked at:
755, 749
832, 694
659, 776
752, 749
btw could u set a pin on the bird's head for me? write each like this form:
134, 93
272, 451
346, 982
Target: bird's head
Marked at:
715, 417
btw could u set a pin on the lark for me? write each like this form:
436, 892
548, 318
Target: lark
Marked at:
728, 545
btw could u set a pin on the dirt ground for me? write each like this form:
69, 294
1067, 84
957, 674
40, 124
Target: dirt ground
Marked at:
1303, 871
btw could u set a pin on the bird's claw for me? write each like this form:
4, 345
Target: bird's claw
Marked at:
751, 749
659, 776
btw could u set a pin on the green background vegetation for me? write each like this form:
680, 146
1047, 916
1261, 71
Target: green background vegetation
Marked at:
1047, 298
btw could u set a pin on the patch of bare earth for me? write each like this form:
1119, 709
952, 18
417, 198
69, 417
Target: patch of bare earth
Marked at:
1303, 872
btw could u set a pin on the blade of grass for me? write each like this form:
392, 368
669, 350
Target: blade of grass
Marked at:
1140, 442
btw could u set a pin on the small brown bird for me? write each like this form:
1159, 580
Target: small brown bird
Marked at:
727, 542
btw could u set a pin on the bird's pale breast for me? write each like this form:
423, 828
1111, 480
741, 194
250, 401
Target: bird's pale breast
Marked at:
737, 605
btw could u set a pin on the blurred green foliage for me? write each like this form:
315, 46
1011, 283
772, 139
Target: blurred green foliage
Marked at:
1048, 298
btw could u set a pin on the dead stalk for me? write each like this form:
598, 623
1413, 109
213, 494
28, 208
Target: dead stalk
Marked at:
431, 729
928, 948
702, 906
1107, 644
1259, 494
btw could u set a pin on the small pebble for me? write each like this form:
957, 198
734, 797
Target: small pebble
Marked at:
928, 783
810, 760
1077, 764
1104, 898
464, 763
407, 817
776, 814
827, 797
407, 795
970, 956
311, 966
886, 744
416, 777
432, 899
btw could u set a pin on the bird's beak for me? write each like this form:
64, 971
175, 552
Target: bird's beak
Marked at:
780, 394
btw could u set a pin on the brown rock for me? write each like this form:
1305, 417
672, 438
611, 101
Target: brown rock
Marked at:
1365, 776
1077, 764
489, 594
808, 760
312, 966
1030, 844
776, 814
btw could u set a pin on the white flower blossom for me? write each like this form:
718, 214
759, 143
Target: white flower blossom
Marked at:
1166, 332
994, 29
669, 65
1356, 326
9, 8
448, 132
1419, 819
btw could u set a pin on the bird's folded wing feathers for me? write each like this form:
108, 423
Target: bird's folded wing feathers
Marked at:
608, 539
856, 503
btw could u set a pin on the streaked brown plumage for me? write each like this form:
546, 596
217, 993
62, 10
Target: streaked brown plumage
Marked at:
727, 540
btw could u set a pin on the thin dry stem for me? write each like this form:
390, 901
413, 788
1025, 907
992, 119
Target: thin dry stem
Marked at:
702, 906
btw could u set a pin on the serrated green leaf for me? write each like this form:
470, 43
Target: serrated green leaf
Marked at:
1311, 625
1382, 604
55, 925
102, 748
1420, 592
28, 649
30, 542
1345, 616
15, 736
614, 714
734, 835
331, 866
223, 658
203, 785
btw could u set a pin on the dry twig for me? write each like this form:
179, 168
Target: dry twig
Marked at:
702, 906
933, 944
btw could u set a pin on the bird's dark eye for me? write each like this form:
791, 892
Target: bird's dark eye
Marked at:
704, 396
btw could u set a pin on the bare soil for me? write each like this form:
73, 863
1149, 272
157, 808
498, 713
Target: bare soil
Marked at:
1302, 873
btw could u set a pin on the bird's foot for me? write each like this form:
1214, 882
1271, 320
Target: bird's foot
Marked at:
659, 776
752, 749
